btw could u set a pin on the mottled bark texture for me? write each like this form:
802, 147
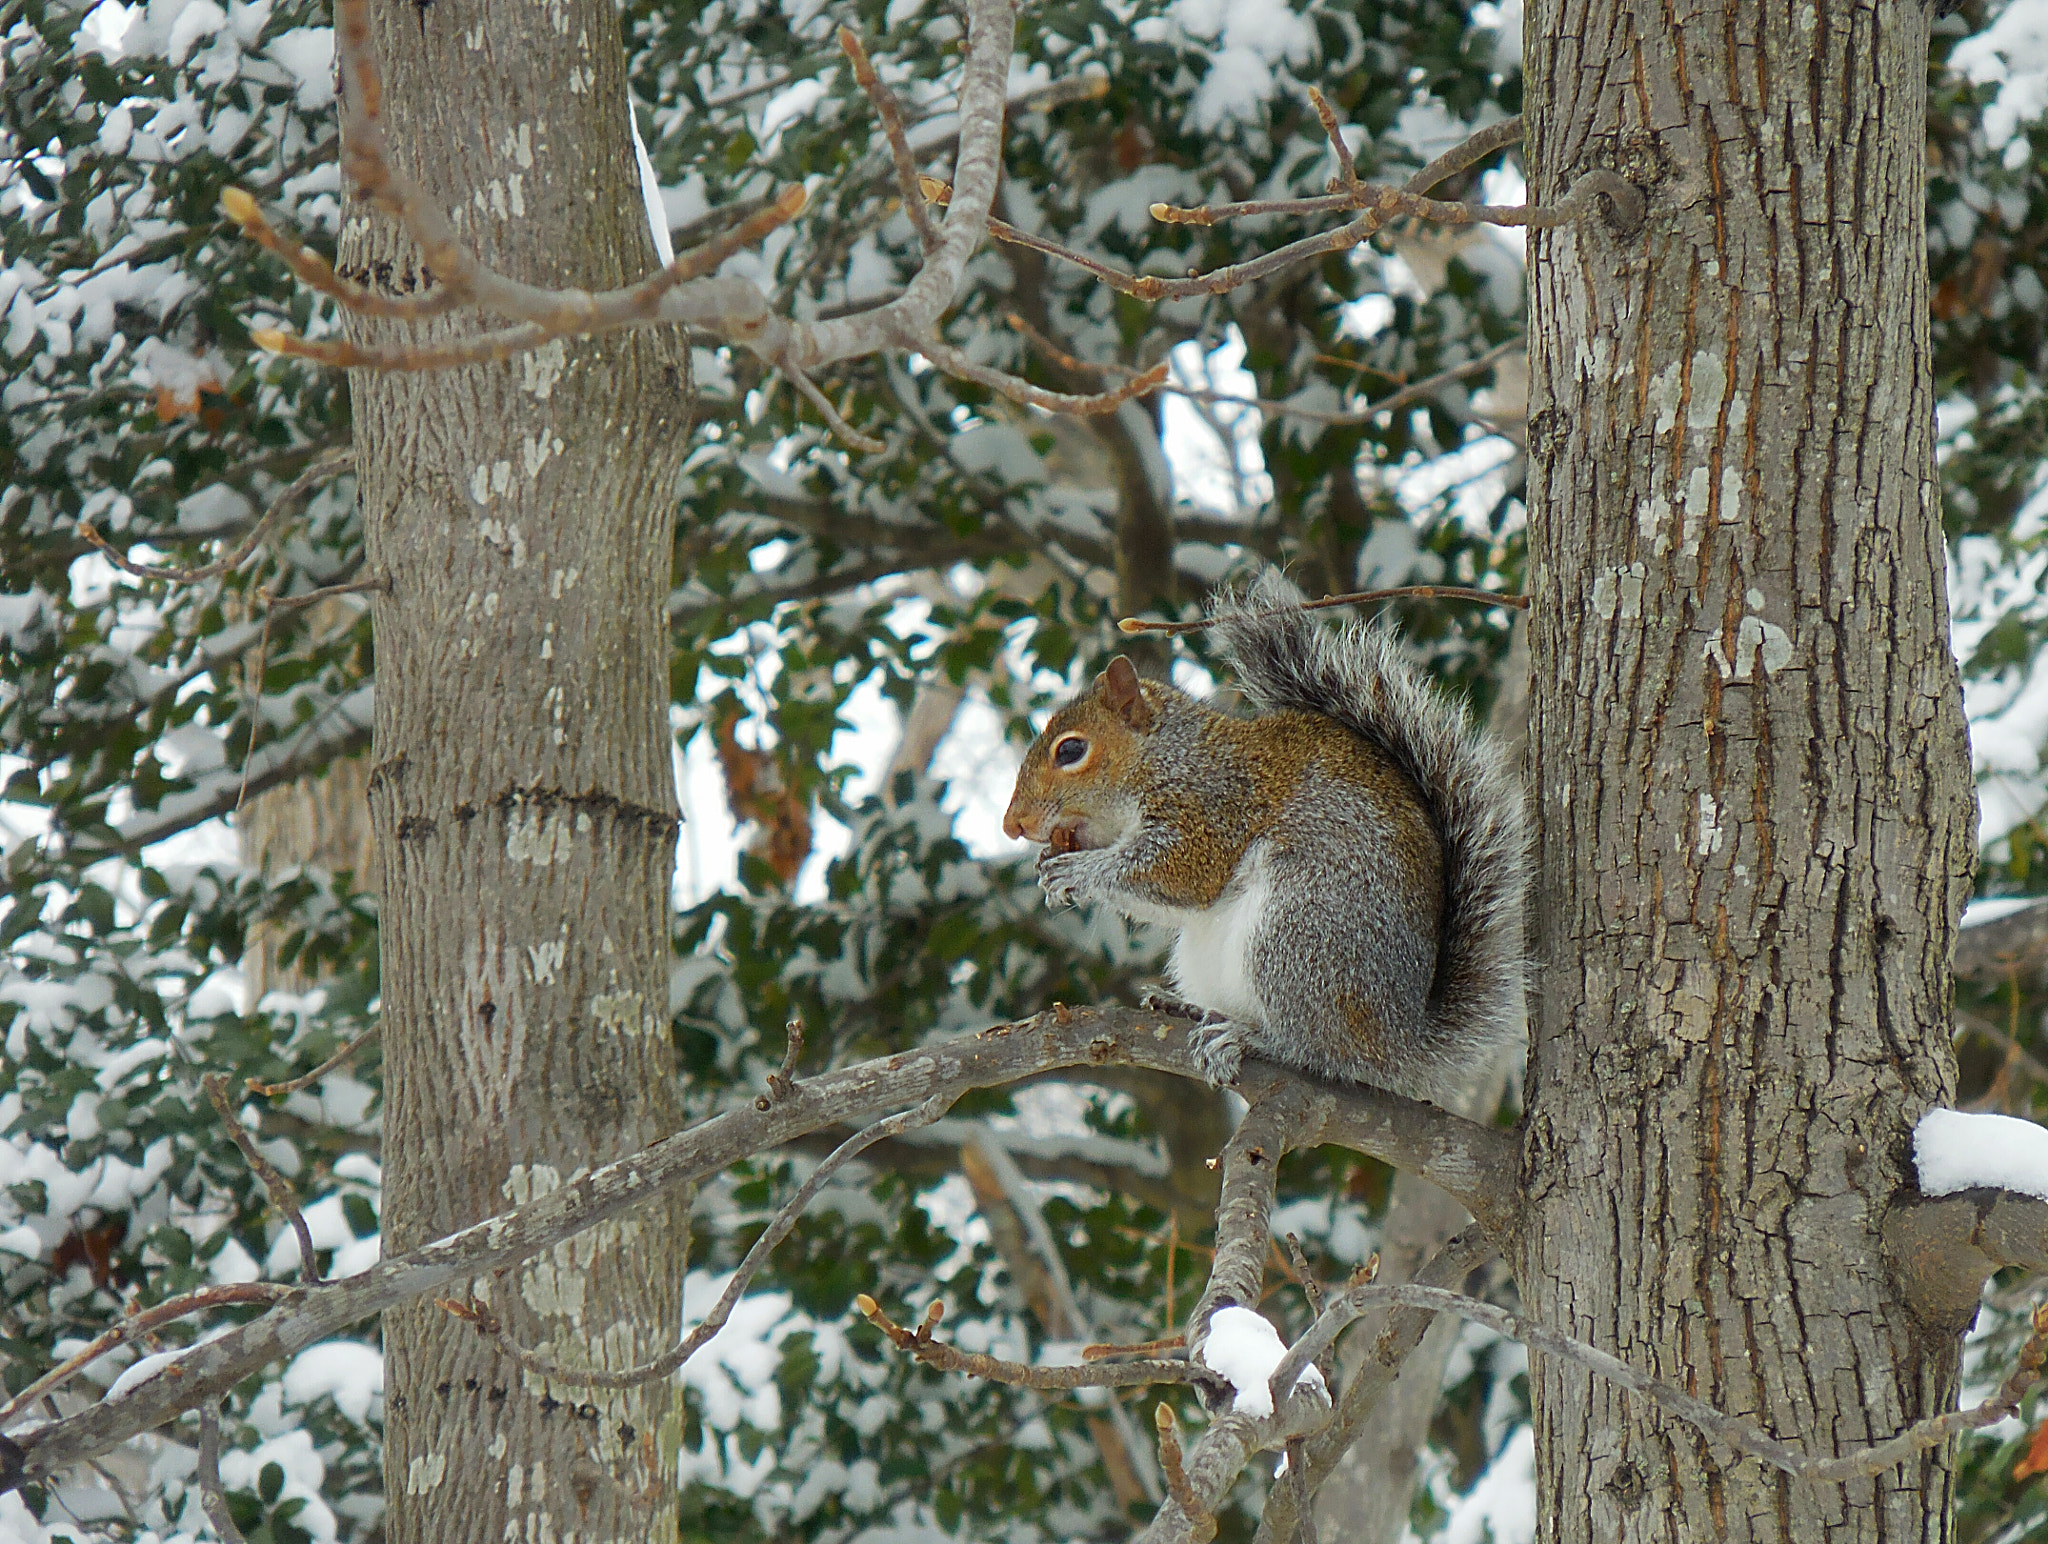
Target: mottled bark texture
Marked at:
521, 788
1756, 818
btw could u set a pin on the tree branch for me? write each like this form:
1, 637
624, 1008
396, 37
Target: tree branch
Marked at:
1478, 1164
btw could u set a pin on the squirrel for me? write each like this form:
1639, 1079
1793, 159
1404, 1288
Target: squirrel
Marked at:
1346, 868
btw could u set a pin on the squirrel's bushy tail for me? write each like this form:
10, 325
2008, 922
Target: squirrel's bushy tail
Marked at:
1285, 658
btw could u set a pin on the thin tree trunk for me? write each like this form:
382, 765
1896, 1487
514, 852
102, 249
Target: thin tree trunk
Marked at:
1755, 810
521, 791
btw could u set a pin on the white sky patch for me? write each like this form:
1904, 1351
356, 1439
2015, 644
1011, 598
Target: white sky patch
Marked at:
1955, 1150
1246, 1349
1213, 447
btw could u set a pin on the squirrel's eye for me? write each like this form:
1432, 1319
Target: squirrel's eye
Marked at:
1070, 751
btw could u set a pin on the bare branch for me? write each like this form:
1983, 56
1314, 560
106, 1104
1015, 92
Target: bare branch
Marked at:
1251, 1173
1475, 1163
566, 313
954, 362
1387, 202
313, 270
1737, 1434
892, 125
1347, 169
487, 1323
838, 425
1496, 136
323, 466
782, 1084
307, 1080
1086, 1375
1201, 1521
134, 1327
279, 1188
212, 1498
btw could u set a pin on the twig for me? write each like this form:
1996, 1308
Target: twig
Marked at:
488, 1325
1738, 1434
1358, 597
1054, 352
136, 1325
211, 1497
1086, 1375
313, 270
1004, 1168
279, 1188
782, 1084
272, 606
892, 125
567, 313
1387, 202
1304, 1277
1497, 136
838, 425
325, 464
307, 1080
1201, 1521
1347, 169
956, 363
1297, 1474
1142, 1348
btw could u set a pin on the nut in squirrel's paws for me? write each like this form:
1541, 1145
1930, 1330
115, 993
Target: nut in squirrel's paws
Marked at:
1219, 1048
1057, 876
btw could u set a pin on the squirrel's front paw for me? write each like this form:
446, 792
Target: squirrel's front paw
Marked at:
1219, 1051
1059, 876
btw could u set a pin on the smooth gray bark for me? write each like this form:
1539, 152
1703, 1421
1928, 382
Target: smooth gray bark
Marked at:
1755, 812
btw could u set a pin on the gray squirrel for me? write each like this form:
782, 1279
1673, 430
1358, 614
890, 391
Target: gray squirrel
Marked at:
1346, 868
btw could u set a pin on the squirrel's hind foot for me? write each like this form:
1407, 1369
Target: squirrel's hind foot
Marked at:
1219, 1046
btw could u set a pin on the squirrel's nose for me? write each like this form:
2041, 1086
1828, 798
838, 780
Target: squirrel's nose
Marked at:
1013, 823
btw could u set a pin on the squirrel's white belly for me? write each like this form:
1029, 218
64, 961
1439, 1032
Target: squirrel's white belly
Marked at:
1210, 957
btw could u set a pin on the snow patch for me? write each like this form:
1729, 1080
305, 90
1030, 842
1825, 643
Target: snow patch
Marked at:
1956, 1150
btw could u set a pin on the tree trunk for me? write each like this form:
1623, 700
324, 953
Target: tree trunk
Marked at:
1755, 812
521, 791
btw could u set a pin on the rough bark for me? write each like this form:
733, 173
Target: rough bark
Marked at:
521, 789
1755, 813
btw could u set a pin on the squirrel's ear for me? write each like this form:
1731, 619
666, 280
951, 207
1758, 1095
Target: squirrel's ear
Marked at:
1126, 698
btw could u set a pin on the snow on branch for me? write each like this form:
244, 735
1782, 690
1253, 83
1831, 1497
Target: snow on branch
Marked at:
1956, 1150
